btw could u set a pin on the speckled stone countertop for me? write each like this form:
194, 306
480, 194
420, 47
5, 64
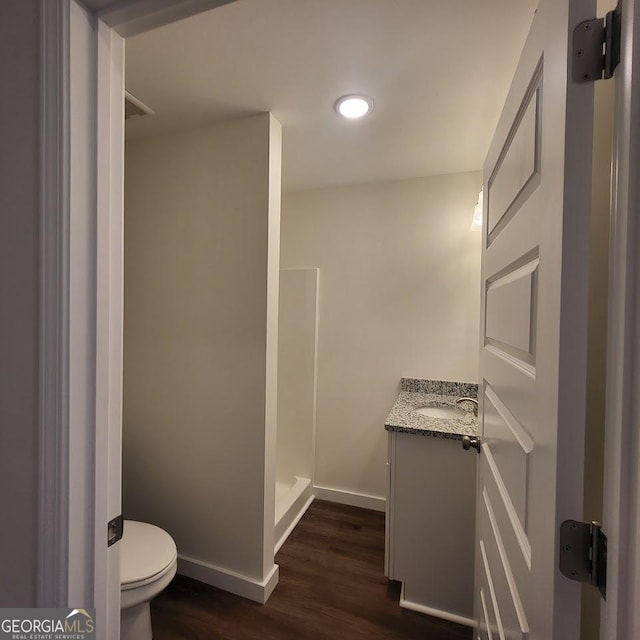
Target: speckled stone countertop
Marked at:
417, 393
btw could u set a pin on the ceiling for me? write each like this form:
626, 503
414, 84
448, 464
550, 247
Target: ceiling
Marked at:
437, 70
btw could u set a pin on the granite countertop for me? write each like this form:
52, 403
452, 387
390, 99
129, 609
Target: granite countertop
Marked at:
436, 393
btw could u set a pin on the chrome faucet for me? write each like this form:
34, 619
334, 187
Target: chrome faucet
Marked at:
475, 402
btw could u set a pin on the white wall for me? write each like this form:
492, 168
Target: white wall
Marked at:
201, 291
399, 297
19, 289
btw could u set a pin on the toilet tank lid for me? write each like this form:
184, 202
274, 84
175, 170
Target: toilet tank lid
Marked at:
146, 550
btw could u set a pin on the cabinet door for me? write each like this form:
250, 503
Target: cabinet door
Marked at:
433, 511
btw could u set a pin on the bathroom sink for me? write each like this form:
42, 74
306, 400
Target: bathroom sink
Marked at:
448, 413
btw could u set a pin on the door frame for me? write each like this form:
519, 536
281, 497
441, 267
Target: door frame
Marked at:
621, 515
81, 293
65, 570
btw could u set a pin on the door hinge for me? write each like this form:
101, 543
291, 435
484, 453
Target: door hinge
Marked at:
596, 47
583, 553
115, 529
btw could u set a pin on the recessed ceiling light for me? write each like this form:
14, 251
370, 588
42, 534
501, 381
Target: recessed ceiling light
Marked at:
354, 106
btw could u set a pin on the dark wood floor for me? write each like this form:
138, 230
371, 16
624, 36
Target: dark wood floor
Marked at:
331, 587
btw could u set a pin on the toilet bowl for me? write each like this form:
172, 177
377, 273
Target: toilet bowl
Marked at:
148, 561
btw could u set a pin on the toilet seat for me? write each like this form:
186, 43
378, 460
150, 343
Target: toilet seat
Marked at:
146, 555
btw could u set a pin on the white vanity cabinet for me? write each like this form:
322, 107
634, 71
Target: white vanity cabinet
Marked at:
430, 520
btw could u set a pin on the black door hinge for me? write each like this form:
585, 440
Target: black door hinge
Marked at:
115, 529
583, 553
596, 47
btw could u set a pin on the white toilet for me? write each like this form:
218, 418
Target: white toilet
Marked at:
148, 561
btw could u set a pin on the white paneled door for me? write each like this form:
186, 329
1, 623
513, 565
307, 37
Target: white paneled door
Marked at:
537, 185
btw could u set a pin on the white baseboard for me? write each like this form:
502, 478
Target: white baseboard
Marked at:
436, 613
350, 498
244, 586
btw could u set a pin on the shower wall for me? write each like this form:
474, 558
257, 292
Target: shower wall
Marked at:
297, 347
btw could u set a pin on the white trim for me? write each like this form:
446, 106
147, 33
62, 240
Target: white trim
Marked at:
109, 318
53, 499
271, 341
351, 498
620, 619
258, 591
81, 274
436, 613
294, 523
